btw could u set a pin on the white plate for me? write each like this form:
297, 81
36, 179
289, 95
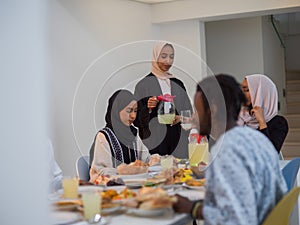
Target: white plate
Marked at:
193, 195
112, 209
106, 210
64, 217
84, 189
90, 188
66, 204
198, 188
155, 168
134, 183
134, 176
147, 213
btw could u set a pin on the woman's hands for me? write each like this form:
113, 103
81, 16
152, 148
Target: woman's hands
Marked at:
155, 159
183, 205
152, 102
176, 120
258, 112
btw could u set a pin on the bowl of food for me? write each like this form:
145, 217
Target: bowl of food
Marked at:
199, 171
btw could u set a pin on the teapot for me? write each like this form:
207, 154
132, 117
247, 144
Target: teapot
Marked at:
166, 109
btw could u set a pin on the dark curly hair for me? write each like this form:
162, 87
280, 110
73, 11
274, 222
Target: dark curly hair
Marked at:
222, 90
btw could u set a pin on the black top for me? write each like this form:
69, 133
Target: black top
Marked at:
276, 130
160, 138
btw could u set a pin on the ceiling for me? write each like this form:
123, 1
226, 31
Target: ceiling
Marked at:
153, 1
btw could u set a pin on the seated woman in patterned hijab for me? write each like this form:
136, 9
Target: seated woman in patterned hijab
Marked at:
118, 141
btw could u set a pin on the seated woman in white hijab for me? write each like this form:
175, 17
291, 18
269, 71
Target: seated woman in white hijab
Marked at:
261, 111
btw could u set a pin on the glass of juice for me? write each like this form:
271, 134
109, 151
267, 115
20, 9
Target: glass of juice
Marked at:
91, 204
167, 163
70, 187
198, 153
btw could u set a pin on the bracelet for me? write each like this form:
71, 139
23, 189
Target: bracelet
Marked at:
195, 208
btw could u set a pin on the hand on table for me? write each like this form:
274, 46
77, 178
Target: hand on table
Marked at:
183, 205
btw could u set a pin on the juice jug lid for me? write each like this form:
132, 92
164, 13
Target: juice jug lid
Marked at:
166, 97
198, 137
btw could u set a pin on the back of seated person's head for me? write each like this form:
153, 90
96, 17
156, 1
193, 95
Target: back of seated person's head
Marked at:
223, 91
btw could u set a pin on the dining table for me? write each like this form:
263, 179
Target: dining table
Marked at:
168, 217
127, 216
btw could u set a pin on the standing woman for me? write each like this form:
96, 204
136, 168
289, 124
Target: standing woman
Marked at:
261, 110
118, 141
160, 138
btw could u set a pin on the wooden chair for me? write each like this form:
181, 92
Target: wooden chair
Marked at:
282, 211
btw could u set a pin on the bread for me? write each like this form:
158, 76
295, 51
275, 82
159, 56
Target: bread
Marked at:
148, 193
136, 167
158, 203
150, 190
138, 163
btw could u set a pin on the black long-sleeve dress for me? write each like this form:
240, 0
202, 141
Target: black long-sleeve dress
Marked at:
276, 130
160, 138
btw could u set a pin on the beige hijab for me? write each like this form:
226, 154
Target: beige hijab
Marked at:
155, 69
263, 93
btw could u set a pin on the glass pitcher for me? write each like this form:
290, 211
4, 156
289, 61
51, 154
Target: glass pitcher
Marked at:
166, 109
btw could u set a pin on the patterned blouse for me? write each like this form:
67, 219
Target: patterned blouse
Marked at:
244, 180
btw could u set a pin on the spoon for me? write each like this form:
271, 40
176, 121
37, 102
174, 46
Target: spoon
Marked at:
95, 219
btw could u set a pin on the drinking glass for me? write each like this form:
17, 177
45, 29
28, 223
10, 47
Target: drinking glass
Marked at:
198, 153
167, 163
91, 204
70, 187
186, 119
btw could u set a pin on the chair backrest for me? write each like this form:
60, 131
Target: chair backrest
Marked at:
83, 168
290, 172
280, 156
282, 211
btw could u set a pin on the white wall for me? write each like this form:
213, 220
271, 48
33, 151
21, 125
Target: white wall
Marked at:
235, 46
292, 43
273, 58
246, 46
80, 33
98, 48
104, 45
289, 28
190, 56
219, 10
23, 165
